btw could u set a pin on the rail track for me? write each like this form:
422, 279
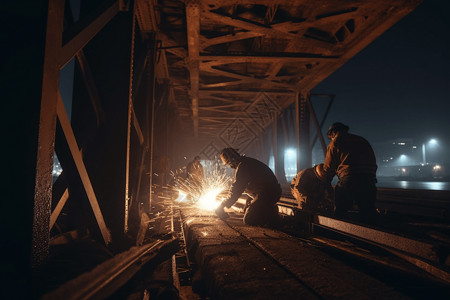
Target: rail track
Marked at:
409, 260
387, 252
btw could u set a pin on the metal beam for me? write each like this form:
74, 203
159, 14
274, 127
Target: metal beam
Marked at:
327, 110
380, 23
246, 92
78, 160
297, 129
193, 38
90, 86
214, 60
71, 48
46, 136
56, 212
305, 159
244, 24
421, 249
316, 124
172, 46
228, 38
131, 116
246, 79
275, 143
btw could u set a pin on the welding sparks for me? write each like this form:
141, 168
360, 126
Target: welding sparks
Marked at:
182, 196
205, 195
208, 200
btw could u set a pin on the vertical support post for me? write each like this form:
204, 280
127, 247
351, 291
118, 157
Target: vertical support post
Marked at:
46, 135
275, 143
130, 110
193, 39
304, 154
297, 129
29, 85
327, 110
151, 99
317, 126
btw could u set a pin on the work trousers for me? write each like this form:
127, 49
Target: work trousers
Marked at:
263, 209
360, 191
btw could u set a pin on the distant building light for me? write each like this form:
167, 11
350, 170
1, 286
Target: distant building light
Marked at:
414, 147
437, 167
391, 158
401, 144
403, 170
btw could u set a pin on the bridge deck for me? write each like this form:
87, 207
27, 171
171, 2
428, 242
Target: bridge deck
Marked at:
238, 261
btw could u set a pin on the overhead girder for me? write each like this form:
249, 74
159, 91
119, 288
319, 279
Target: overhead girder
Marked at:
264, 45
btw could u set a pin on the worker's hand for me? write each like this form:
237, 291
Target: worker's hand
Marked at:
220, 212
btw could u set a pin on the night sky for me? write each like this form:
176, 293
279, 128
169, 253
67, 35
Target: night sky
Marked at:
398, 86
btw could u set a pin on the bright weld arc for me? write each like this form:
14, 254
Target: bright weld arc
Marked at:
204, 195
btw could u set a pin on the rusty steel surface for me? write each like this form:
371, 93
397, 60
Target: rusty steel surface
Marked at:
403, 236
409, 245
229, 257
220, 52
109, 276
46, 135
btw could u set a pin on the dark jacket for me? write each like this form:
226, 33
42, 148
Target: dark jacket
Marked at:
253, 177
349, 155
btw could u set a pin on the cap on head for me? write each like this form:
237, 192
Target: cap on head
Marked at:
196, 158
320, 173
337, 127
230, 156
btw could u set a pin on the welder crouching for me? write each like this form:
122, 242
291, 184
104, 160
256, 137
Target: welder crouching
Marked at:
256, 179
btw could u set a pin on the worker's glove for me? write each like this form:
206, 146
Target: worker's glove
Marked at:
220, 212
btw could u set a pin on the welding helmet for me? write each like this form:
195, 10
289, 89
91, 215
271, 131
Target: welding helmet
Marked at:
337, 127
230, 157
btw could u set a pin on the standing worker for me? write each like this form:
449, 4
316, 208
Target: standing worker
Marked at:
352, 159
194, 172
256, 179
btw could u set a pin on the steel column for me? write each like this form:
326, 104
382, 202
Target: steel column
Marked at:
29, 85
151, 59
327, 110
304, 153
46, 136
130, 116
77, 43
193, 36
275, 143
317, 126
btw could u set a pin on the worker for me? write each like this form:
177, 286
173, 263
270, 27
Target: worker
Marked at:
194, 172
257, 180
352, 159
313, 194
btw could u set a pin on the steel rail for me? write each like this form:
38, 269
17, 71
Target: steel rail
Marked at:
428, 256
282, 265
97, 283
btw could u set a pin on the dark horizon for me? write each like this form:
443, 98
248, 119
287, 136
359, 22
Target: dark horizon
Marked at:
397, 87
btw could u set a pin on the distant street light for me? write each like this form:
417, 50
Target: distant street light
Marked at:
403, 160
431, 142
